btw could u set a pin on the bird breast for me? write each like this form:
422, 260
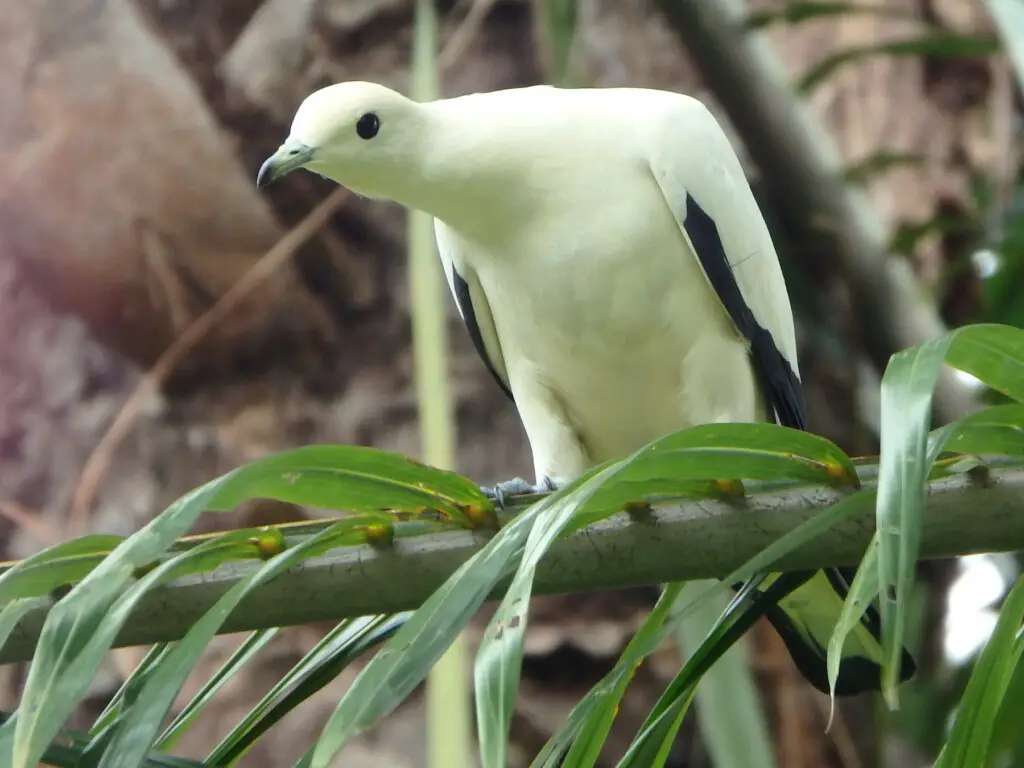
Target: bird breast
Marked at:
610, 308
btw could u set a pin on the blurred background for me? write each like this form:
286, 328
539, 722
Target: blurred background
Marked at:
145, 286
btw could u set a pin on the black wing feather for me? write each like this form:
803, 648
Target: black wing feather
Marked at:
465, 302
783, 394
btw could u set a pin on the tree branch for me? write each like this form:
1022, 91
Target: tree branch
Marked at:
801, 168
694, 540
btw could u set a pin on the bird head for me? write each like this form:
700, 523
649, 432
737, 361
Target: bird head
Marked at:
361, 135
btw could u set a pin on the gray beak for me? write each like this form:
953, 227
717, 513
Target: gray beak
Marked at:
289, 156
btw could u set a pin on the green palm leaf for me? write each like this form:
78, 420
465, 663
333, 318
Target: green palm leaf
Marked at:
342, 645
994, 354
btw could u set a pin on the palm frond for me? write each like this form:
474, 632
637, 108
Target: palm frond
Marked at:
397, 502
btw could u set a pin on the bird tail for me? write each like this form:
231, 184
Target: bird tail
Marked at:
805, 618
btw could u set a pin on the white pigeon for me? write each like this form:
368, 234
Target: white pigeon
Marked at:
614, 272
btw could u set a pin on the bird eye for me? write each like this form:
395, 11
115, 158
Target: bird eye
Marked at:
368, 125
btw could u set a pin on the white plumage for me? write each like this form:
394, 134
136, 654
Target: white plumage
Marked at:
612, 267
606, 328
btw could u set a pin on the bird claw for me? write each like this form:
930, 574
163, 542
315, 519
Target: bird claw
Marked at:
499, 493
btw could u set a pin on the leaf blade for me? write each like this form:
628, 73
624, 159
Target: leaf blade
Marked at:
970, 739
994, 354
499, 658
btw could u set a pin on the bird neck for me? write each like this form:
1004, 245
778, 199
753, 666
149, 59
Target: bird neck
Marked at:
466, 176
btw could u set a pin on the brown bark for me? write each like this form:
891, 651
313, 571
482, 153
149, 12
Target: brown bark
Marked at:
122, 195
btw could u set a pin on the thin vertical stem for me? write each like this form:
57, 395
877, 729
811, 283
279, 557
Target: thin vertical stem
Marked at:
449, 739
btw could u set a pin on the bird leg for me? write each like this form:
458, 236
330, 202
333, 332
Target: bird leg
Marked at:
500, 492
557, 448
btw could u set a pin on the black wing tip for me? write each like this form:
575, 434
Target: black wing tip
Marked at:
856, 674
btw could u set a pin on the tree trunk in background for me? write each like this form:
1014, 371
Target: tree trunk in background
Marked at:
123, 197
130, 134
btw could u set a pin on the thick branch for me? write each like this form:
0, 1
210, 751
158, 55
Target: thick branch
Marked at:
695, 540
801, 168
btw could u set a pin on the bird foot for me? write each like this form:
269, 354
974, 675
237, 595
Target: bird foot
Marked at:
500, 492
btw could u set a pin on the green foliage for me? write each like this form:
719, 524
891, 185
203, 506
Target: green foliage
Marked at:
584, 732
930, 45
82, 626
342, 645
1007, 745
1003, 299
880, 162
657, 734
558, 21
390, 494
500, 657
797, 11
935, 43
245, 653
863, 589
995, 355
969, 743
728, 702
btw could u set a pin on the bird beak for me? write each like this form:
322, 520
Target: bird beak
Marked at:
289, 156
